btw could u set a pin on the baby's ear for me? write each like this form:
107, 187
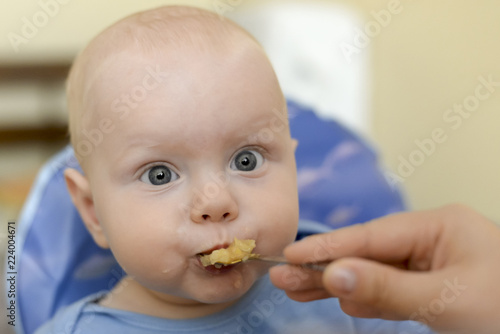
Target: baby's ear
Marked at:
81, 195
295, 143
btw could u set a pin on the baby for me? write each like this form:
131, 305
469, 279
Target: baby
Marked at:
167, 110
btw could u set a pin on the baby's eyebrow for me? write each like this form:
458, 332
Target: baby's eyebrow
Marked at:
134, 144
139, 141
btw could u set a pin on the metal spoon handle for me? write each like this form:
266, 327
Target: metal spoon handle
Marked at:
281, 260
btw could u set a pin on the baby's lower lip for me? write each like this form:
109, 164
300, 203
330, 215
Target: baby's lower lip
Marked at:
214, 270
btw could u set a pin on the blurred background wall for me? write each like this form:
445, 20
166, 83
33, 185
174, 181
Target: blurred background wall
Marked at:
427, 75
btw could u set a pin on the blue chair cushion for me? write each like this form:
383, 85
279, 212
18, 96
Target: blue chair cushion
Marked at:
339, 180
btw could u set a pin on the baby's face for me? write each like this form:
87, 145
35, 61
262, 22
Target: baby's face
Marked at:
203, 157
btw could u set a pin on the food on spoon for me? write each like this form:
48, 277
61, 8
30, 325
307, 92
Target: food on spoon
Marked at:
238, 250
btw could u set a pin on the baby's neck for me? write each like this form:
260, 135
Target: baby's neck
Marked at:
129, 295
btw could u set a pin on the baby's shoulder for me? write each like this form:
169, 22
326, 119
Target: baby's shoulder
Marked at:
70, 318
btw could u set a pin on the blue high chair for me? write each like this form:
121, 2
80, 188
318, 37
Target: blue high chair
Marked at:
339, 181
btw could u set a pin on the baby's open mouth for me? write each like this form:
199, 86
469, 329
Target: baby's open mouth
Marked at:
237, 251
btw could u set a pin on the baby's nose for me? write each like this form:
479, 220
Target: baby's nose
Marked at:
219, 207
214, 218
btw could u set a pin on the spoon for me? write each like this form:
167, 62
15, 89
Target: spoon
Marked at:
275, 260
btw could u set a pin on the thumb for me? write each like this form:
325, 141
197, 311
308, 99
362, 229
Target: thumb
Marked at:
369, 289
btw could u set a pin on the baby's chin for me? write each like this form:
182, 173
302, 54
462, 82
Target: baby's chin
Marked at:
224, 288
228, 289
221, 296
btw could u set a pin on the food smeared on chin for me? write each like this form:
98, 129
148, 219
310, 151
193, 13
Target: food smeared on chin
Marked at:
237, 251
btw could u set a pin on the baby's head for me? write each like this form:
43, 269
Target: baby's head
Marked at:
180, 126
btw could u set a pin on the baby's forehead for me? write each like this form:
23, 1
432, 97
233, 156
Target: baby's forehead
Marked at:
124, 62
168, 35
170, 29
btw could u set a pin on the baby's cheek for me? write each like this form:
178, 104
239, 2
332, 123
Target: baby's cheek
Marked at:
284, 234
274, 243
171, 266
162, 272
185, 232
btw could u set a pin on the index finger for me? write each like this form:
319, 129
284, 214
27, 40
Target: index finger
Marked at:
392, 239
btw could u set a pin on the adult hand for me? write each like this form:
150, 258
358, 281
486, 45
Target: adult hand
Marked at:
439, 267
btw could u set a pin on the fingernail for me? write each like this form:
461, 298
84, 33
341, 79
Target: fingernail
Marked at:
343, 279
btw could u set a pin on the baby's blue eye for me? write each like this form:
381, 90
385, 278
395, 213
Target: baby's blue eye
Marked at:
159, 175
247, 160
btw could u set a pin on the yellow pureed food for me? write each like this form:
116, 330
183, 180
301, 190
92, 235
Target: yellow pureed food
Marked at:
238, 250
